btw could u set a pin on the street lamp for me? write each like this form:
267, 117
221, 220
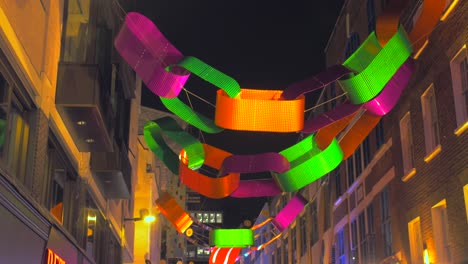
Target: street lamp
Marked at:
144, 215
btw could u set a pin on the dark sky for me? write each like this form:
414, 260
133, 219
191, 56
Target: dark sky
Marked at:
262, 44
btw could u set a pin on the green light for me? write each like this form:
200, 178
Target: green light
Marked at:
211, 75
375, 66
153, 131
231, 237
308, 163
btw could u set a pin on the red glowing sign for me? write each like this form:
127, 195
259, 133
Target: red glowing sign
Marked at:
53, 258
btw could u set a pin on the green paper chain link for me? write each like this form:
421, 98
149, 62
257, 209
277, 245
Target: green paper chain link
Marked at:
153, 131
308, 163
223, 238
375, 66
211, 75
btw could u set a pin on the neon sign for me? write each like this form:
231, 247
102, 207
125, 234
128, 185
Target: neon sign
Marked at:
53, 258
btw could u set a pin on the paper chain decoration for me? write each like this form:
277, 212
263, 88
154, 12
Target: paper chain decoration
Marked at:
373, 77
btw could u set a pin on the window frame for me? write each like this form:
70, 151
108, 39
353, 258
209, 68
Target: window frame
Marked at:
461, 106
407, 146
430, 121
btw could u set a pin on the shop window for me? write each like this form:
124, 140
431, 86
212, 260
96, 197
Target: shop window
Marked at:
212, 218
415, 241
14, 129
406, 135
459, 71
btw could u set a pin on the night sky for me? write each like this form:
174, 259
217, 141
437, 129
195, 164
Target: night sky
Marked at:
261, 44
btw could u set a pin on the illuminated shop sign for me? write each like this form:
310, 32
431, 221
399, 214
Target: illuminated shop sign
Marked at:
53, 258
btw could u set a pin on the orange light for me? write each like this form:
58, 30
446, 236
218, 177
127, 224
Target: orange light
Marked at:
259, 110
426, 257
178, 217
434, 153
449, 10
53, 258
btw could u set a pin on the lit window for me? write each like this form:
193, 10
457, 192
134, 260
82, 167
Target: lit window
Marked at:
441, 231
407, 144
341, 247
219, 218
212, 218
206, 218
431, 122
459, 70
415, 240
200, 217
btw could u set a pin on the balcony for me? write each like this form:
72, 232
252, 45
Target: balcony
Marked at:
80, 102
112, 172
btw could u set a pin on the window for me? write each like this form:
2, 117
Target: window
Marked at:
322, 252
386, 223
303, 235
441, 231
465, 194
350, 170
459, 70
219, 218
314, 222
338, 188
370, 16
431, 123
293, 245
286, 250
356, 163
327, 204
4, 99
379, 134
370, 235
354, 242
352, 44
14, 129
333, 94
279, 256
415, 240
362, 236
341, 247
212, 218
407, 144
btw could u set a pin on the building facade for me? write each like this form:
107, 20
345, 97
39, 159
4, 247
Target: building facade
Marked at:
69, 144
402, 197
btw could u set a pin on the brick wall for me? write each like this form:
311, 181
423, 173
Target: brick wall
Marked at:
437, 179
